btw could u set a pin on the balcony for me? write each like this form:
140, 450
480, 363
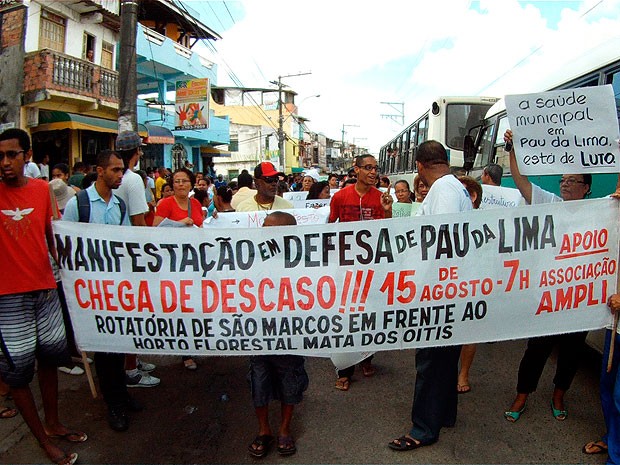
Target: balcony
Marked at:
48, 74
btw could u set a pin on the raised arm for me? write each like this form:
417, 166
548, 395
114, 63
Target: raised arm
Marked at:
522, 182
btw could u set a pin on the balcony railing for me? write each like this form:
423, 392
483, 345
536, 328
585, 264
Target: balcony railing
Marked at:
48, 69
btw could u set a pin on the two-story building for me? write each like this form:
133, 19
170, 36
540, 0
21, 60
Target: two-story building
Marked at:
59, 78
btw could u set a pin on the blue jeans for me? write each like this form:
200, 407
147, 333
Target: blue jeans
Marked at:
610, 399
435, 398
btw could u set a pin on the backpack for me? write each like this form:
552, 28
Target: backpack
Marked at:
84, 207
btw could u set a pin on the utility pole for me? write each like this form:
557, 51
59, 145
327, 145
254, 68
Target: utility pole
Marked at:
399, 107
127, 83
281, 134
347, 126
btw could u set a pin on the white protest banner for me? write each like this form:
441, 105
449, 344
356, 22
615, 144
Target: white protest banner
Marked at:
294, 196
565, 131
255, 219
500, 197
312, 203
343, 287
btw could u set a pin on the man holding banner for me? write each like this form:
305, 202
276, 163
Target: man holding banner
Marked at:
360, 202
435, 398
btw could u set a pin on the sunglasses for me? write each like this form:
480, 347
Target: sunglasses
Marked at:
270, 179
11, 154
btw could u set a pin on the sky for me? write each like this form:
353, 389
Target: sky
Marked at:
361, 53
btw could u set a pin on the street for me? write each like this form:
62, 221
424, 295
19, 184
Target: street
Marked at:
187, 419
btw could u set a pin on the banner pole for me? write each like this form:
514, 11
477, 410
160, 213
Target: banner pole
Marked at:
89, 373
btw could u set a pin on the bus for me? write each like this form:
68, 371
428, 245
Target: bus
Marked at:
448, 120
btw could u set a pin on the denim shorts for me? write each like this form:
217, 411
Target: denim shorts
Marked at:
31, 326
277, 377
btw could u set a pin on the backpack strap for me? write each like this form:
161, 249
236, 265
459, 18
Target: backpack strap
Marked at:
83, 202
84, 206
123, 207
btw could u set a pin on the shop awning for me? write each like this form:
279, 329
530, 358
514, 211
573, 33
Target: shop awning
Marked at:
55, 120
158, 135
207, 150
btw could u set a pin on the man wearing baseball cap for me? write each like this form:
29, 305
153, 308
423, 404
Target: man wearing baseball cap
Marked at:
266, 179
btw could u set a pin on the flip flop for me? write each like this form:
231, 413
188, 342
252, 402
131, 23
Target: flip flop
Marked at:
6, 413
342, 384
403, 444
265, 441
71, 436
594, 447
463, 388
286, 445
66, 459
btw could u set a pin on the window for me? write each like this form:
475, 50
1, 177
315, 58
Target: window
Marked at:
107, 55
52, 31
88, 48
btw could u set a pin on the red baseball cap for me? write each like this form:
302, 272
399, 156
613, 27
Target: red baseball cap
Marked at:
266, 168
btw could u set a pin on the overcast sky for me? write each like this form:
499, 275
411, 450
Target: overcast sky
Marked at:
363, 53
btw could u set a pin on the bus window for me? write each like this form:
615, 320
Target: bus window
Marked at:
501, 156
614, 80
422, 130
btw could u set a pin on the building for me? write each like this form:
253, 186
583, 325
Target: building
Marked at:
254, 122
59, 78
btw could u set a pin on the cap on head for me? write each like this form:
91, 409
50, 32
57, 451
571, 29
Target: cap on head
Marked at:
128, 140
266, 168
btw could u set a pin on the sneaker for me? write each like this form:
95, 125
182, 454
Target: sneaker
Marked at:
145, 366
141, 380
76, 370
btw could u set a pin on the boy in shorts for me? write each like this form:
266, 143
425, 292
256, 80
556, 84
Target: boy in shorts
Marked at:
276, 377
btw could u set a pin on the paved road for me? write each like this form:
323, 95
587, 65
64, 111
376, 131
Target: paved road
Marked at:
185, 420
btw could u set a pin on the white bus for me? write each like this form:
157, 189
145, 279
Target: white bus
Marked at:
448, 120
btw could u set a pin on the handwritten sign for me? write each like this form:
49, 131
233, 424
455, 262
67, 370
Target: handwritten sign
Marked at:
500, 197
565, 131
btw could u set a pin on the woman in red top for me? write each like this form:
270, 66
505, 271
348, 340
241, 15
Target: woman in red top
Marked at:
177, 207
180, 207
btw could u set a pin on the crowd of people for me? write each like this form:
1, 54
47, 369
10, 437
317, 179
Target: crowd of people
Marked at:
34, 319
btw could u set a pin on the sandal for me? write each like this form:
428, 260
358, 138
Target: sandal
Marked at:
286, 445
71, 436
558, 414
190, 364
342, 384
261, 445
513, 417
6, 412
463, 388
66, 459
404, 443
594, 447
368, 370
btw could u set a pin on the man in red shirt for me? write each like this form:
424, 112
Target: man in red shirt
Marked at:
31, 324
360, 202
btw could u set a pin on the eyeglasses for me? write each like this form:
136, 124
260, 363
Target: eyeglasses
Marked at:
570, 182
270, 179
402, 191
11, 154
181, 181
370, 167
